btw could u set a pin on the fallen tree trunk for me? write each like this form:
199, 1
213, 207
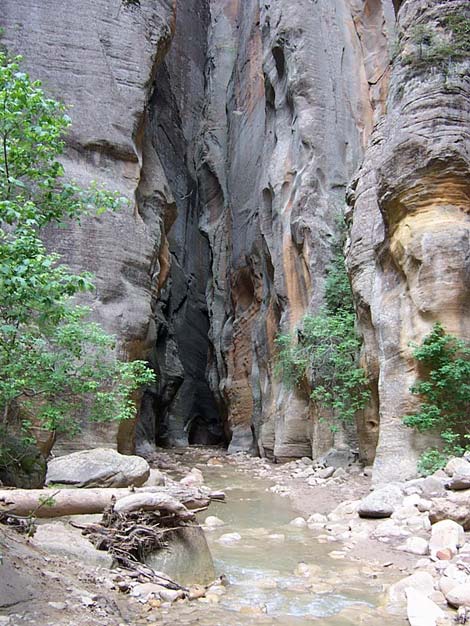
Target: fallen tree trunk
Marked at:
55, 503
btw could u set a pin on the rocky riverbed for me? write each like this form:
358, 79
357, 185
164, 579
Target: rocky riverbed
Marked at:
293, 544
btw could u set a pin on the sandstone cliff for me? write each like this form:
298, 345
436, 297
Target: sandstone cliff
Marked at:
100, 59
292, 91
235, 127
408, 254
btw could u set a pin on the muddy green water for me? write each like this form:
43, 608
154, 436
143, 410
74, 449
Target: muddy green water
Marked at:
261, 567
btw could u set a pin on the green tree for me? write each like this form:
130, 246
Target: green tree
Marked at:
324, 350
444, 389
55, 366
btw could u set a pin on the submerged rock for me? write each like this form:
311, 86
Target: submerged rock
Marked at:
229, 538
187, 558
193, 479
213, 522
298, 522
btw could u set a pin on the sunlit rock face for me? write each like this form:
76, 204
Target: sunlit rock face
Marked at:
235, 127
293, 89
99, 57
409, 247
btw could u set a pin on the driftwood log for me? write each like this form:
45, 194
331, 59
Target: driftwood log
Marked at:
58, 502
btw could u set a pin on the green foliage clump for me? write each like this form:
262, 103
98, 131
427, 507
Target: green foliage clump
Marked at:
55, 366
325, 348
439, 47
444, 388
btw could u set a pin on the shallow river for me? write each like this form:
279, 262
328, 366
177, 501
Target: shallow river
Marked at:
267, 586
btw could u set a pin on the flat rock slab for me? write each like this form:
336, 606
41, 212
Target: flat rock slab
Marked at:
101, 467
15, 586
421, 611
63, 540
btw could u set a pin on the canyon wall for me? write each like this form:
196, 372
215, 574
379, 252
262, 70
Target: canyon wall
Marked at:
235, 127
100, 59
409, 203
292, 93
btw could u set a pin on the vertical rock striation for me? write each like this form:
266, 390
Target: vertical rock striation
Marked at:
292, 90
234, 126
409, 247
185, 408
235, 144
100, 59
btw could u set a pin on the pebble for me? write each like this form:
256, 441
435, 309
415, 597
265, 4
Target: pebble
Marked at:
229, 538
336, 554
298, 522
327, 472
213, 522
60, 606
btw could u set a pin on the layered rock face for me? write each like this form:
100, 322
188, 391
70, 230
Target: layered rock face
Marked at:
234, 127
409, 248
292, 90
100, 59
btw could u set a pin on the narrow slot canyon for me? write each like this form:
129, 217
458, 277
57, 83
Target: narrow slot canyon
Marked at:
234, 330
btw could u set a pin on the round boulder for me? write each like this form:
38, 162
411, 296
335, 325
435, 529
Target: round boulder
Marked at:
101, 467
381, 503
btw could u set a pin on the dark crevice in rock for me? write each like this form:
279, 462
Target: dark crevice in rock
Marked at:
182, 408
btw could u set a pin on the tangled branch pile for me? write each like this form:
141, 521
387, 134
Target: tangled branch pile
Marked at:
131, 537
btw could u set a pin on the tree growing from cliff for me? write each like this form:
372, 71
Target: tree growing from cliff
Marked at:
324, 350
444, 388
55, 366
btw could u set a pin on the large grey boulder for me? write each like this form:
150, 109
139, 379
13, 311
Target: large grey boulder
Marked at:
101, 467
381, 502
186, 559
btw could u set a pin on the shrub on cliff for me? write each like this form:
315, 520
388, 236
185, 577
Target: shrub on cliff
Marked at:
55, 366
324, 350
444, 388
438, 47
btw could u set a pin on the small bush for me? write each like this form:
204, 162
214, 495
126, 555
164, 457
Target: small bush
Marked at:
444, 388
439, 47
323, 351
